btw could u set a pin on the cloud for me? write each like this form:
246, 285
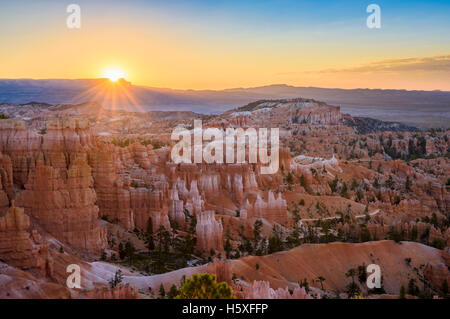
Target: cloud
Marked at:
439, 63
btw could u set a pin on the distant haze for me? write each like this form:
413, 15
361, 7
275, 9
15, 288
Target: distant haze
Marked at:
419, 108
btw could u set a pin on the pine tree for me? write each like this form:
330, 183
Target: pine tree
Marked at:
289, 178
445, 288
412, 287
122, 253
227, 247
321, 280
204, 286
116, 280
303, 181
173, 292
149, 234
402, 292
351, 273
408, 184
257, 229
162, 291
129, 251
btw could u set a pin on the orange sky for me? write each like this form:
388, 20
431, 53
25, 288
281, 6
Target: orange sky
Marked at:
154, 47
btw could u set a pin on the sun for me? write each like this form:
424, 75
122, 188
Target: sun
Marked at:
113, 74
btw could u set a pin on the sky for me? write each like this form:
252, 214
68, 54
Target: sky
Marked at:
227, 44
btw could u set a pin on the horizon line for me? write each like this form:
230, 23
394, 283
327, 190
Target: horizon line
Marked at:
224, 89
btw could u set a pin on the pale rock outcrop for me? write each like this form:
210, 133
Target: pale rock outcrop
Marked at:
238, 187
192, 198
176, 208
274, 209
209, 233
210, 183
262, 290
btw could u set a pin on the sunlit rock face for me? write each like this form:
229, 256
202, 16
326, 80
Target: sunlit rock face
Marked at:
51, 165
209, 233
6, 182
147, 204
65, 204
126, 194
113, 197
19, 247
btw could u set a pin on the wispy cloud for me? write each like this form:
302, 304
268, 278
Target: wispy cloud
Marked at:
439, 63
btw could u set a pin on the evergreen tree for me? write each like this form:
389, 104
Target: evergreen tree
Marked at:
162, 291
116, 280
275, 242
390, 182
257, 229
149, 234
122, 253
303, 181
353, 289
351, 273
362, 274
289, 178
173, 292
129, 251
402, 292
305, 284
321, 280
444, 288
412, 287
204, 286
376, 184
408, 184
227, 247
344, 191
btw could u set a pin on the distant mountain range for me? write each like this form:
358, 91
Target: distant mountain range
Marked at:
419, 108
